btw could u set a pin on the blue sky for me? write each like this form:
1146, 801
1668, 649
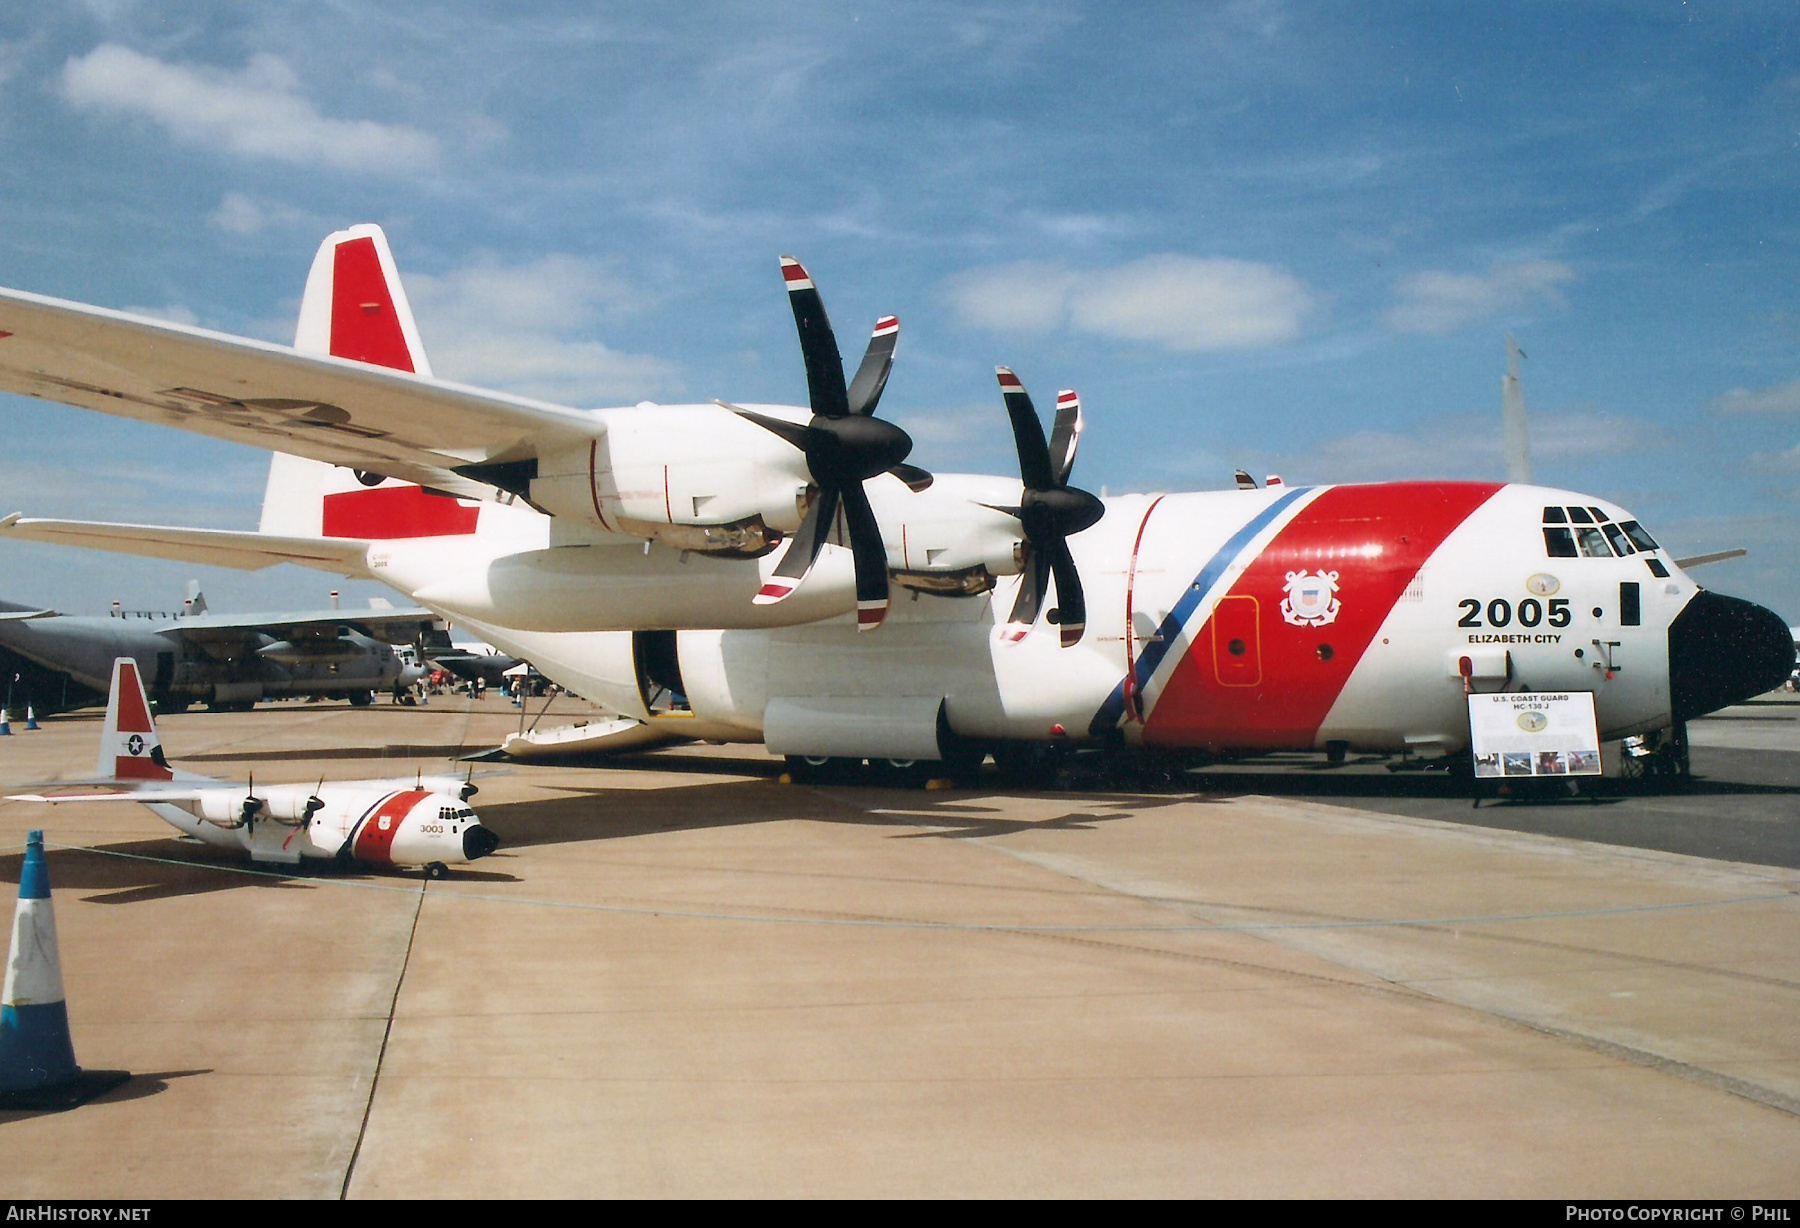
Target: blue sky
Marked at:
1279, 236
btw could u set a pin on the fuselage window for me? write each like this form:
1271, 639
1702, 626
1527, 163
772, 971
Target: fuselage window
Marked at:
1616, 536
1555, 515
1593, 543
1580, 515
1559, 543
1639, 538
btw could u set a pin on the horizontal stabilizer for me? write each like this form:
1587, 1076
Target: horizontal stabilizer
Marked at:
217, 547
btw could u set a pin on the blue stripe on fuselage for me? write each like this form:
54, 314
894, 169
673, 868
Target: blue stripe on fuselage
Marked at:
1146, 665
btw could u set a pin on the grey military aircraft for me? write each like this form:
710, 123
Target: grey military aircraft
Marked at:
228, 661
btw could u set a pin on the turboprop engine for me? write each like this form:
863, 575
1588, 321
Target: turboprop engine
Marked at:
694, 477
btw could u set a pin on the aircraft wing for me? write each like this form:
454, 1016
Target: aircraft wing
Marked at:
412, 427
390, 625
219, 547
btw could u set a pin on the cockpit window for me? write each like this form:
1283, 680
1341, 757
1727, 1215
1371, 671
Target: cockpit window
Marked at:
1599, 515
1555, 515
1616, 536
1593, 543
1639, 538
1559, 543
1580, 515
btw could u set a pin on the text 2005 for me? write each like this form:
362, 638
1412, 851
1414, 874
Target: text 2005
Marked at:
1501, 612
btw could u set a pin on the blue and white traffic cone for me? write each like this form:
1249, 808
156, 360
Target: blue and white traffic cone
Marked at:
37, 1057
30, 717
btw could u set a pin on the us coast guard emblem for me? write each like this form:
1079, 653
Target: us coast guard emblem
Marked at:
1311, 599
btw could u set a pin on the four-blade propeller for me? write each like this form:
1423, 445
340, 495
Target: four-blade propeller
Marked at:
844, 444
1049, 512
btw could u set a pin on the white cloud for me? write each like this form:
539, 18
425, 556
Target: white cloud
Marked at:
1177, 302
1438, 302
517, 328
1780, 399
258, 112
246, 215
1454, 446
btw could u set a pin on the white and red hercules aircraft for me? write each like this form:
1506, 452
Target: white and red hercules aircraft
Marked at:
706, 570
419, 823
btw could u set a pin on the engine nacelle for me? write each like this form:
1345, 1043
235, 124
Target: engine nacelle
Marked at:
696, 477
948, 539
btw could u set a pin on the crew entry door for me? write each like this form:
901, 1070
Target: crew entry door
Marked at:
1237, 642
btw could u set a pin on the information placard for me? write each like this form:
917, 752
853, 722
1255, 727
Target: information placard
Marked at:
1528, 734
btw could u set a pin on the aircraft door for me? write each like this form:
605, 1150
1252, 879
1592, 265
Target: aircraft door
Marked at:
1237, 641
165, 674
659, 673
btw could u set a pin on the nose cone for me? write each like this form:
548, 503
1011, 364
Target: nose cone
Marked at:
1723, 651
478, 841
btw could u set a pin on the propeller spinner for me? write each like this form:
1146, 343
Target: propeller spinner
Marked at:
844, 444
1050, 511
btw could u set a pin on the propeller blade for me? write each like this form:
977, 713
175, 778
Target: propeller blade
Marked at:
1033, 582
1028, 432
871, 558
877, 363
915, 477
1071, 603
803, 550
818, 345
1065, 435
796, 433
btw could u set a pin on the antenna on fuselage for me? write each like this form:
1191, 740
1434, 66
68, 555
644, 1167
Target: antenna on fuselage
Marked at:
1512, 417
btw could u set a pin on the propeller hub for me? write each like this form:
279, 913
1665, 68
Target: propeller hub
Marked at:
1061, 511
853, 449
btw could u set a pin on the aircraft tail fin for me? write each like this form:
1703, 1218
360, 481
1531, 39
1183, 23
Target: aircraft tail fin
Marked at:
129, 747
355, 308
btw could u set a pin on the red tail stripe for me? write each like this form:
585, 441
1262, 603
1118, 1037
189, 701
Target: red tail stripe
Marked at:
394, 512
133, 716
364, 324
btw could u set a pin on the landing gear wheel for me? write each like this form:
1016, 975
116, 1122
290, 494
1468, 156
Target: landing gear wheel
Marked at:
814, 769
902, 773
361, 699
437, 869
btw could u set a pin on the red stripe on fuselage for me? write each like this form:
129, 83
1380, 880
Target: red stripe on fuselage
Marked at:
1375, 538
396, 511
375, 839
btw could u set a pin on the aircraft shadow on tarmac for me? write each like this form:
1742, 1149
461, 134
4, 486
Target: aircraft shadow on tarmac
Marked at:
584, 813
446, 750
142, 870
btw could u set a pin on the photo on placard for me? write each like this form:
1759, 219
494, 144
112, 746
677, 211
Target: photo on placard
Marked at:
1488, 763
1584, 762
1517, 763
1551, 763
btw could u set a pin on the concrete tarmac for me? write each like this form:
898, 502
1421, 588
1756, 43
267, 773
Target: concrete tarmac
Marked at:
680, 977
